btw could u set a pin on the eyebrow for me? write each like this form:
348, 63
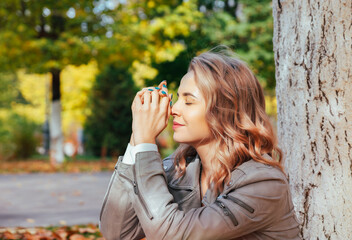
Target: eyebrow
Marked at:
185, 94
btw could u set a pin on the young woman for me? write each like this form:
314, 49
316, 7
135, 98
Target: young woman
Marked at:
225, 181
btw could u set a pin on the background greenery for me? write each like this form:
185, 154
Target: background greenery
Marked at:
104, 51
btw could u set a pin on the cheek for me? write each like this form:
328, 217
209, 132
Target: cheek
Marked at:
198, 124
196, 128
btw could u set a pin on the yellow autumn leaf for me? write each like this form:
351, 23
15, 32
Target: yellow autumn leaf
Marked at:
141, 72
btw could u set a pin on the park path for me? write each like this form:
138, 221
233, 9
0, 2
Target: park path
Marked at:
30, 200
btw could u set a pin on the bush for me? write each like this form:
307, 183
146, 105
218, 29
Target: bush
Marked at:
18, 139
7, 147
107, 130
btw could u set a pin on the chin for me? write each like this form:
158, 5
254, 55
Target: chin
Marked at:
176, 139
182, 139
201, 140
179, 139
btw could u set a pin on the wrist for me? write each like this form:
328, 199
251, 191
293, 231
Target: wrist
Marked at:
143, 140
132, 140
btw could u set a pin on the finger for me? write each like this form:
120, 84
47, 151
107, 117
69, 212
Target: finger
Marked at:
137, 102
170, 97
170, 104
147, 99
163, 84
164, 89
168, 115
151, 90
163, 93
168, 110
155, 98
156, 89
140, 94
164, 104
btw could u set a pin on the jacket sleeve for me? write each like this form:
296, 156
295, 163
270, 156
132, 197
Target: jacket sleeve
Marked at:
118, 219
226, 218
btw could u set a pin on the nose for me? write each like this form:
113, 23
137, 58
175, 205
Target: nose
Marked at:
175, 111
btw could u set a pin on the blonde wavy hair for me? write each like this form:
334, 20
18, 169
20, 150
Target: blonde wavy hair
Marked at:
235, 113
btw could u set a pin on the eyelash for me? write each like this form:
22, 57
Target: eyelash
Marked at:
187, 103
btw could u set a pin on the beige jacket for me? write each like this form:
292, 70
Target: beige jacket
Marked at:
145, 199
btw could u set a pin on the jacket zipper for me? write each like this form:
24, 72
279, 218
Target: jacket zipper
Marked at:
134, 184
136, 191
107, 195
227, 212
239, 202
139, 195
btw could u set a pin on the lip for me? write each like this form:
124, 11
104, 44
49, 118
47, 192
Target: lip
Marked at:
176, 125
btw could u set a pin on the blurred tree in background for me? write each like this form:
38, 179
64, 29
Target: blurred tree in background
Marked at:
8, 89
18, 137
137, 42
160, 37
23, 136
26, 95
108, 128
46, 36
247, 26
145, 34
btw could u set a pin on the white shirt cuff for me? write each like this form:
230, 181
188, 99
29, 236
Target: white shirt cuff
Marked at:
127, 157
131, 151
143, 147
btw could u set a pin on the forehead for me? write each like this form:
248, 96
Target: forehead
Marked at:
188, 83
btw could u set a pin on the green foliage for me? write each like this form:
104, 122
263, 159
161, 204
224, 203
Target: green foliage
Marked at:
153, 40
247, 27
151, 33
6, 146
18, 137
44, 35
110, 123
159, 38
255, 41
8, 90
24, 136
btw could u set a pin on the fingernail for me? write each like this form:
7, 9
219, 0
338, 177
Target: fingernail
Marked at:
157, 88
171, 96
164, 86
170, 103
163, 92
150, 90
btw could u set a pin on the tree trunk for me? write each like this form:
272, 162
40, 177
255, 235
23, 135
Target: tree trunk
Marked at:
313, 58
56, 137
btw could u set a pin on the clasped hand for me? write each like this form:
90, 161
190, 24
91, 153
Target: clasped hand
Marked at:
151, 110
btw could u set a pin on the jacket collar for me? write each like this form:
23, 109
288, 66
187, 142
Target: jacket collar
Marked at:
190, 180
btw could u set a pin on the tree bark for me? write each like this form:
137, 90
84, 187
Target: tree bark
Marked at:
56, 137
313, 58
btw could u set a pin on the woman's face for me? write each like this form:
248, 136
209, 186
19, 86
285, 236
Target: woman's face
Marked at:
189, 111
